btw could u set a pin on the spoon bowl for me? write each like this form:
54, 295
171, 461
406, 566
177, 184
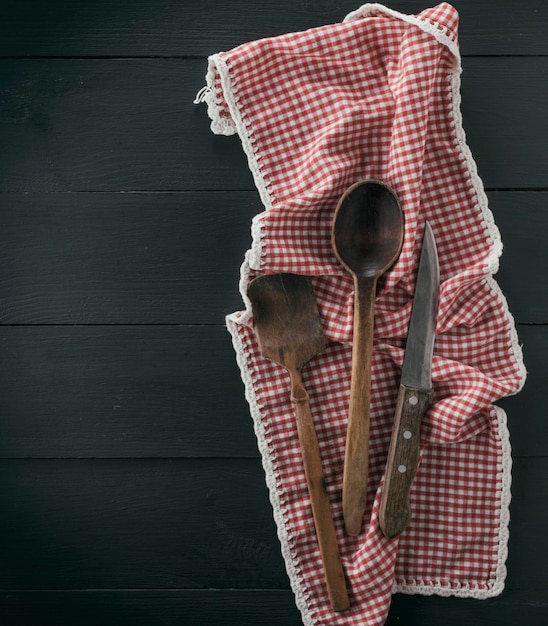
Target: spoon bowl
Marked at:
367, 237
367, 230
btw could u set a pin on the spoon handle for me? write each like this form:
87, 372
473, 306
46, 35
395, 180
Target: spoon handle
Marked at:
321, 510
356, 462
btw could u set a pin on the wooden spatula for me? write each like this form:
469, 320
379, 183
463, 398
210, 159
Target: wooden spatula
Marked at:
288, 328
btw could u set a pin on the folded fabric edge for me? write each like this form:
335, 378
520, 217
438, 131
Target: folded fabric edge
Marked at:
219, 125
295, 579
438, 31
216, 64
477, 591
512, 332
492, 260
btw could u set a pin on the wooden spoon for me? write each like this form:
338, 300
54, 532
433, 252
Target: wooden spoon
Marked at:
367, 237
289, 331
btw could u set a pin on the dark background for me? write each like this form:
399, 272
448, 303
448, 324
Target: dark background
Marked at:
131, 491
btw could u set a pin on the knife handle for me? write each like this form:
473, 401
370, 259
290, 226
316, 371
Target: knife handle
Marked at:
403, 459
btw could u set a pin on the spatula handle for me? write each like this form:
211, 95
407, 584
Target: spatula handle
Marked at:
356, 461
321, 510
403, 460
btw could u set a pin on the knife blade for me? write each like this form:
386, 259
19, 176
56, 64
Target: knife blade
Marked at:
414, 394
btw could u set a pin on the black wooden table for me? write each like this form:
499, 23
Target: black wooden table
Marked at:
131, 491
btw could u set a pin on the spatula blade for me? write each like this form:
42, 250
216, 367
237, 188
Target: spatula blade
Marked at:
286, 318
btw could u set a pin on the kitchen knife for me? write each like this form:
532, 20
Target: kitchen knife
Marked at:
414, 394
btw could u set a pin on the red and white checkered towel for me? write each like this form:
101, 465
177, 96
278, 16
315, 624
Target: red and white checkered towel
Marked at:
376, 96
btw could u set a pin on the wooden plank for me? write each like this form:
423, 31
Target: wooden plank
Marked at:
111, 125
138, 538
215, 607
31, 28
511, 608
120, 524
500, 137
174, 258
522, 219
150, 524
133, 258
148, 608
162, 391
142, 132
122, 392
527, 484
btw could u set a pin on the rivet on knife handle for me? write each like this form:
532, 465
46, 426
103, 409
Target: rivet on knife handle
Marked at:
403, 459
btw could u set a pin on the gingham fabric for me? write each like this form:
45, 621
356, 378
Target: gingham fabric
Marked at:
376, 96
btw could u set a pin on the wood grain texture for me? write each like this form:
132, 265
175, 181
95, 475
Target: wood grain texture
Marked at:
220, 607
175, 391
529, 435
367, 237
137, 128
30, 28
118, 391
289, 330
501, 137
403, 460
130, 483
521, 219
118, 524
111, 125
123, 258
186, 523
174, 258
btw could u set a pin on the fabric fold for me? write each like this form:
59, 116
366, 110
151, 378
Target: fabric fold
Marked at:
376, 96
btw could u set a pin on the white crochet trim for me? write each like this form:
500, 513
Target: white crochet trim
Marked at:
243, 317
514, 340
219, 125
217, 61
237, 123
252, 260
444, 588
477, 184
295, 578
438, 31
505, 498
492, 263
